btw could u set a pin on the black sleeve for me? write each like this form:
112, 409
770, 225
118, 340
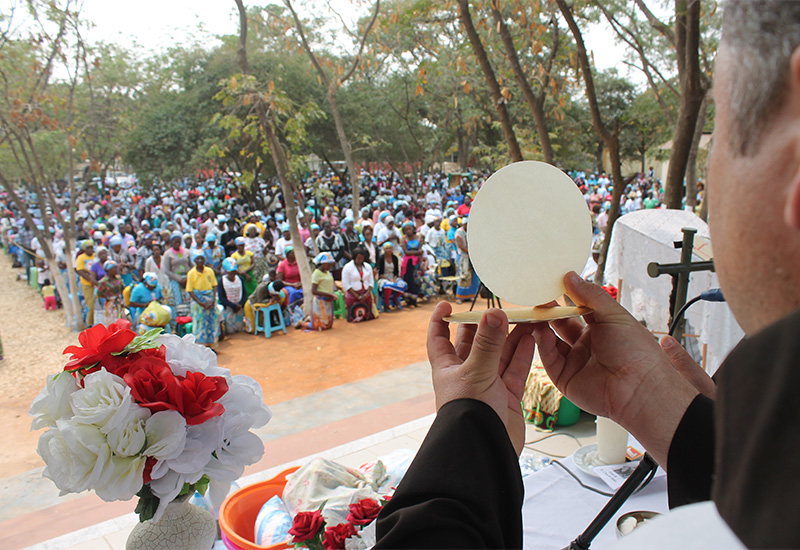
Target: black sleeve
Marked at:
463, 489
690, 462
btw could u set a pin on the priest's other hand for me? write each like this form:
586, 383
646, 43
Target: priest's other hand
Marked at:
484, 362
612, 366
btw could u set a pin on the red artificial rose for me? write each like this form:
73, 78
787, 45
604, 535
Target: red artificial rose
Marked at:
306, 525
364, 511
97, 345
148, 469
155, 387
335, 536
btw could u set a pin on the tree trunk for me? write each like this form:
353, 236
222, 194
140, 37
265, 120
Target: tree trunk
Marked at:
535, 102
687, 35
614, 210
491, 80
282, 167
347, 149
691, 167
610, 138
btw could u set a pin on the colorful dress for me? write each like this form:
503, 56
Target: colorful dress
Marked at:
177, 263
205, 322
257, 246
244, 261
408, 270
322, 308
109, 290
468, 281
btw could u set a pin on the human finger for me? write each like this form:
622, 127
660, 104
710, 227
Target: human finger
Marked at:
604, 307
568, 329
465, 334
513, 340
552, 350
688, 367
484, 357
440, 350
516, 373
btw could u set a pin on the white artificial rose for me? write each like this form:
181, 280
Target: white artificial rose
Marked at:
76, 455
122, 478
166, 435
183, 355
168, 487
104, 401
244, 395
201, 441
53, 402
128, 437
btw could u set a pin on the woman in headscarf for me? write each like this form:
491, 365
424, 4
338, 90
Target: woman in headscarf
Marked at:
468, 281
175, 265
389, 281
201, 284
288, 271
255, 244
232, 296
412, 254
109, 290
368, 244
357, 282
142, 294
244, 261
322, 288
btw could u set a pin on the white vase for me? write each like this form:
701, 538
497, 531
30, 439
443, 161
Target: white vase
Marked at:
183, 526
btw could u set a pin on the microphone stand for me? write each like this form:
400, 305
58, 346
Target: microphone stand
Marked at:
647, 466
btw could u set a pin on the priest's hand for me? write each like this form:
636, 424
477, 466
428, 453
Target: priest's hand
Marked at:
485, 363
612, 366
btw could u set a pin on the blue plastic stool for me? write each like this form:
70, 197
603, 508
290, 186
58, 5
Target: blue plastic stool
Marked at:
263, 314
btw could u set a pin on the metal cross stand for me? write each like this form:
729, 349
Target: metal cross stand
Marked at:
680, 275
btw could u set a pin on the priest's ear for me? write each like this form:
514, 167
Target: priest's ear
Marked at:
792, 209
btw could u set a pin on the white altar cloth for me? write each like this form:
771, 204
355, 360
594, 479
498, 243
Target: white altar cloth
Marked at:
556, 509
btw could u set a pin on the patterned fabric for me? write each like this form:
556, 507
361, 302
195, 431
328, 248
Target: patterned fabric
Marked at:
541, 400
206, 322
321, 314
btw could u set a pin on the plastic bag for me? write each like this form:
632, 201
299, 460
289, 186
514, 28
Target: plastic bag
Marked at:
272, 523
324, 483
155, 315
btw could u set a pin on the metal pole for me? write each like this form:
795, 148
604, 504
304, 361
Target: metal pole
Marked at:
682, 287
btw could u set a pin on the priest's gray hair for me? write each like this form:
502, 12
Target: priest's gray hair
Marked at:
761, 36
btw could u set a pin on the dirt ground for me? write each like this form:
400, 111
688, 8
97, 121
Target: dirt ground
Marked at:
287, 366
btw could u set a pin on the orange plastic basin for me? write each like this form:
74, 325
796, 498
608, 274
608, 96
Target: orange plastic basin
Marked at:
237, 516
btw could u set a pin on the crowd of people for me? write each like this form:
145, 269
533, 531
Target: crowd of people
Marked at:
195, 252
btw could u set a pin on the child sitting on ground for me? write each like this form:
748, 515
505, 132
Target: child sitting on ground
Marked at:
49, 295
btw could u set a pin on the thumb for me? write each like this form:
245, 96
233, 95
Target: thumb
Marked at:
591, 295
487, 347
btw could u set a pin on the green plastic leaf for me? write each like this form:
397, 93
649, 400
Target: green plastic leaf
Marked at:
143, 342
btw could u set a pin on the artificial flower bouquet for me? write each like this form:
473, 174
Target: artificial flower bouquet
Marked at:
150, 416
329, 506
310, 530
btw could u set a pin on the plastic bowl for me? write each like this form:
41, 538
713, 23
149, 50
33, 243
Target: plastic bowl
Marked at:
237, 516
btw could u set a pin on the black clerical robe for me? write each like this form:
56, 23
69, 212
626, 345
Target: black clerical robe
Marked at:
463, 489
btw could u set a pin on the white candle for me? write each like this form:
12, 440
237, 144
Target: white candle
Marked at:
612, 441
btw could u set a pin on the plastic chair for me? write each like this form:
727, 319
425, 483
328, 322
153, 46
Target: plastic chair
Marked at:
339, 307
264, 319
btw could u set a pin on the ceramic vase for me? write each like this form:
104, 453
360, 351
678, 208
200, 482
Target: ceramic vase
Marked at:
183, 526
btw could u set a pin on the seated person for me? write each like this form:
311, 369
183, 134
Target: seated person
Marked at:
142, 294
232, 296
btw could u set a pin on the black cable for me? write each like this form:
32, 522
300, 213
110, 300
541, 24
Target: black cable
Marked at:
680, 313
581, 483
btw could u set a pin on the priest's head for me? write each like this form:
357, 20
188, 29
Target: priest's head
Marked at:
754, 170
